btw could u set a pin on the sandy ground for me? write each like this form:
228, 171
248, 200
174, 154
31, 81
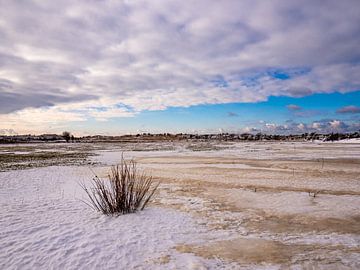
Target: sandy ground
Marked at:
287, 204
245, 205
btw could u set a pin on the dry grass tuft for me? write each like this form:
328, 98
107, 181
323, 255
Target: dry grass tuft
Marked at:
125, 191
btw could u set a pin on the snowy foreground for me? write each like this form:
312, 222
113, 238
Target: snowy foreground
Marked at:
45, 226
237, 206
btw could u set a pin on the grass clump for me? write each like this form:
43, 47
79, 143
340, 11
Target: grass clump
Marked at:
126, 190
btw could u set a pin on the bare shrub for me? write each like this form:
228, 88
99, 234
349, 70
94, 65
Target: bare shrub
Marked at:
126, 190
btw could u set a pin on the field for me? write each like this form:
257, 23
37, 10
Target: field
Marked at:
248, 205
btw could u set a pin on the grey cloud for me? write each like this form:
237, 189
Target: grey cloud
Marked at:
300, 112
293, 107
307, 113
349, 109
7, 132
232, 114
10, 102
298, 91
156, 54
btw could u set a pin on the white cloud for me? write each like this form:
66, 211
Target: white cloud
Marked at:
34, 54
38, 120
104, 115
150, 55
316, 125
335, 124
292, 127
301, 126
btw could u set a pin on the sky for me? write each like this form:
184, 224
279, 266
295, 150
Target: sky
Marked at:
207, 66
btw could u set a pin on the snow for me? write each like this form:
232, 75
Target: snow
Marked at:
242, 150
352, 140
46, 226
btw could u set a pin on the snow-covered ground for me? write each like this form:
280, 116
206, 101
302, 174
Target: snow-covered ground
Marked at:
247, 150
245, 206
45, 225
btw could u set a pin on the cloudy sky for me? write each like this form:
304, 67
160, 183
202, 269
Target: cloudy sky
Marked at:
114, 67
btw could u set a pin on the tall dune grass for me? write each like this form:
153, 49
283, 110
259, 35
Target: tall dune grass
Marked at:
126, 190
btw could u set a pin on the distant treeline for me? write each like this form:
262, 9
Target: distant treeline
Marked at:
148, 137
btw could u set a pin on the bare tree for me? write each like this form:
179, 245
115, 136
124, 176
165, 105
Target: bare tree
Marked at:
66, 135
